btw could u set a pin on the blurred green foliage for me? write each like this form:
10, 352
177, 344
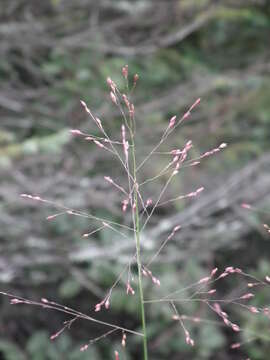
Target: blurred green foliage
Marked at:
39, 347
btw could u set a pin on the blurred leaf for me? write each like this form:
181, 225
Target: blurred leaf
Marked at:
69, 288
10, 351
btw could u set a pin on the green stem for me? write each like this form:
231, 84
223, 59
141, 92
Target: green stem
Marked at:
141, 292
138, 253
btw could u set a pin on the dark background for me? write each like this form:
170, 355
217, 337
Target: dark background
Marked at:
54, 53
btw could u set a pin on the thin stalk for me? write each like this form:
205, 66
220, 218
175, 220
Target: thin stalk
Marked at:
136, 220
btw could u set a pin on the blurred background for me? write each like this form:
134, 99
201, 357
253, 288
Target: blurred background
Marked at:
54, 53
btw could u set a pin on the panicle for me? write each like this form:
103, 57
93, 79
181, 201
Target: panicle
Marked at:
179, 156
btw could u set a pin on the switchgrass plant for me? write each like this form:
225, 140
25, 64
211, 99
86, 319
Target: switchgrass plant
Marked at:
137, 213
